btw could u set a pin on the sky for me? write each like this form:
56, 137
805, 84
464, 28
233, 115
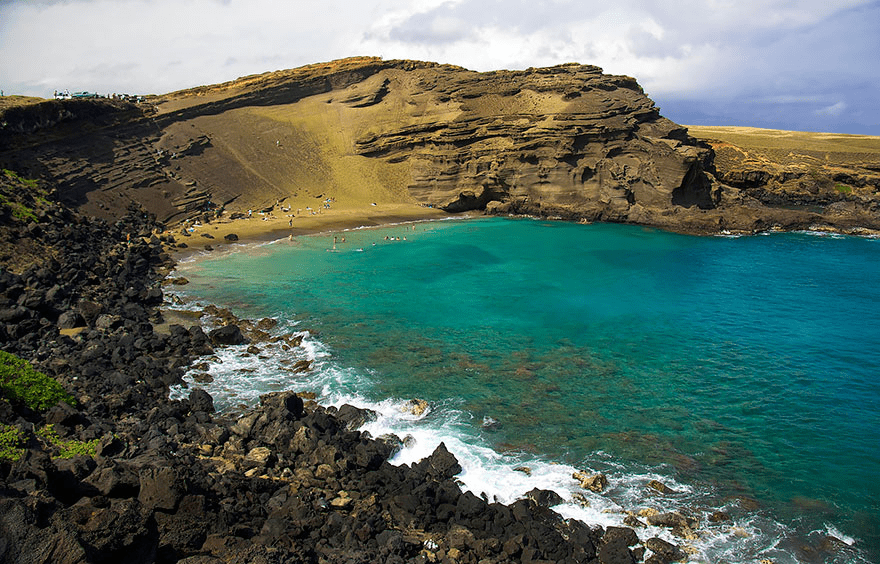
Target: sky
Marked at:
811, 65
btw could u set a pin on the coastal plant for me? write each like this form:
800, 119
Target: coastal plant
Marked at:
17, 193
11, 443
20, 383
67, 449
843, 189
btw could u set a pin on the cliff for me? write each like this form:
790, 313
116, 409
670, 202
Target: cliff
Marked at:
567, 141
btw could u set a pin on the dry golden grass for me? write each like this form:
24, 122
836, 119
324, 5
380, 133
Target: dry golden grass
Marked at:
789, 147
10, 101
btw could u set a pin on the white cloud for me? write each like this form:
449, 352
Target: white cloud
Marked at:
833, 110
709, 49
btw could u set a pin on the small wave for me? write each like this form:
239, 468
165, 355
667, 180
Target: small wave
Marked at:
236, 378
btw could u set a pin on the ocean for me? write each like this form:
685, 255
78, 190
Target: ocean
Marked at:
741, 372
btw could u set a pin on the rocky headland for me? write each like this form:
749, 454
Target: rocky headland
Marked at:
106, 468
566, 142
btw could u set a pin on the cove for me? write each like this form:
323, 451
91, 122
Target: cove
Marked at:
741, 370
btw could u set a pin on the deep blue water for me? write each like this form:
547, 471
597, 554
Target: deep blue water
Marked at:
745, 367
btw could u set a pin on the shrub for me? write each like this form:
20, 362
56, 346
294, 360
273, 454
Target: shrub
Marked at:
20, 196
67, 449
20, 383
11, 441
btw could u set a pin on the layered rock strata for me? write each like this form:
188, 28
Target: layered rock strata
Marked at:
567, 142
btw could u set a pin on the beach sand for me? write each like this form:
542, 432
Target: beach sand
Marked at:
277, 224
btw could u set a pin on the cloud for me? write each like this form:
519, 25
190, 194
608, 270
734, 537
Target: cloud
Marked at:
833, 110
730, 54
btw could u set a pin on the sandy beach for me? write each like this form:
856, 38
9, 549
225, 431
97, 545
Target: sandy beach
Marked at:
279, 224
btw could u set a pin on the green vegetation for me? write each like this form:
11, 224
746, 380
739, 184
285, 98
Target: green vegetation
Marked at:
843, 189
17, 193
67, 449
20, 383
11, 443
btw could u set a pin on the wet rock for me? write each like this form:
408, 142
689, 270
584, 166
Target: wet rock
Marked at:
301, 366
354, 417
672, 520
666, 550
231, 237
416, 407
656, 485
490, 424
440, 465
592, 482
632, 521
544, 498
290, 403
227, 335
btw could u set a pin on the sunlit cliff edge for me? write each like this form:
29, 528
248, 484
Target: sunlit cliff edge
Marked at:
568, 142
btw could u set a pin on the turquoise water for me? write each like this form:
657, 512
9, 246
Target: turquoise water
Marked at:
745, 368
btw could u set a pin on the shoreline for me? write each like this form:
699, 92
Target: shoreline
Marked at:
274, 226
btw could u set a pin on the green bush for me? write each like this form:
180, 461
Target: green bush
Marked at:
20, 383
21, 197
843, 189
11, 441
67, 449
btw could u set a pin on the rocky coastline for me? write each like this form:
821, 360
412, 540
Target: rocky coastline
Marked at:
120, 472
156, 480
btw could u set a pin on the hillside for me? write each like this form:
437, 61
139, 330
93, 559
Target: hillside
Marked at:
795, 167
567, 141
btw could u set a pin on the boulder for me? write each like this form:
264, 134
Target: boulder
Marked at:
201, 401
659, 486
227, 335
416, 407
544, 498
71, 320
592, 482
261, 457
160, 488
673, 520
354, 417
668, 551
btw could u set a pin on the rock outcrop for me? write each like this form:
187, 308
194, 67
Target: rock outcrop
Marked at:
566, 141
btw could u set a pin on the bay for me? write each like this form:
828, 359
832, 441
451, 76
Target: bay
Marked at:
741, 370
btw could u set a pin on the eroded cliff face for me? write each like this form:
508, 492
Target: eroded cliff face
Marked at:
567, 141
